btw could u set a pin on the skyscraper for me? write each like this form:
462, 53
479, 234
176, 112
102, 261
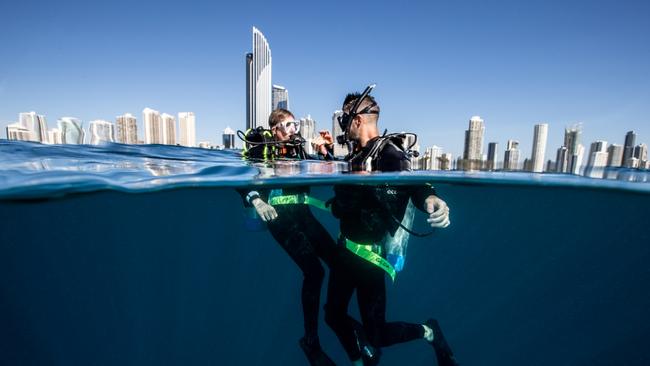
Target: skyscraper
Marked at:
339, 150
473, 152
575, 150
169, 129
187, 129
72, 131
54, 136
641, 153
127, 129
628, 148
18, 132
101, 131
280, 97
511, 155
597, 159
492, 156
431, 159
153, 127
228, 138
36, 124
539, 147
258, 82
614, 155
308, 132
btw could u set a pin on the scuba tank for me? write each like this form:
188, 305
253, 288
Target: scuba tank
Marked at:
258, 143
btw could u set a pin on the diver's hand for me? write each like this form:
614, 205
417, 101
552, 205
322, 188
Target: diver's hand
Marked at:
264, 210
438, 212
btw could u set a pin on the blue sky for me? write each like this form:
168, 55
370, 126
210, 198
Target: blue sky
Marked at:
514, 63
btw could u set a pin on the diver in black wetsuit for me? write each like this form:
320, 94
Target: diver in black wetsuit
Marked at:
295, 228
370, 217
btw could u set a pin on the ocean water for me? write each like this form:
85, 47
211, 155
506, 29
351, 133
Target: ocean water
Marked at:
138, 255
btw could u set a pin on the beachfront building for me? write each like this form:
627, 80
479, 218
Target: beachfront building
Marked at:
36, 124
54, 136
72, 131
615, 155
228, 138
17, 132
101, 131
628, 148
473, 150
511, 155
187, 129
169, 129
538, 156
126, 129
279, 97
258, 82
492, 157
153, 127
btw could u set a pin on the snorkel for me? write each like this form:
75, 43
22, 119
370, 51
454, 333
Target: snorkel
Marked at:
345, 120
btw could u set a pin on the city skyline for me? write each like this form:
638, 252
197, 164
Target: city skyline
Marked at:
527, 63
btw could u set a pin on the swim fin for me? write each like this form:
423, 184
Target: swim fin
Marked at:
315, 354
444, 354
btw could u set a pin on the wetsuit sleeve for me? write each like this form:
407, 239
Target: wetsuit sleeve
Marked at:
420, 193
244, 194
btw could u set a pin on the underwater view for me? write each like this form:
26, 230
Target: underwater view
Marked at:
146, 255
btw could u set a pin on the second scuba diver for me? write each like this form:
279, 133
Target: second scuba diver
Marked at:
290, 221
374, 224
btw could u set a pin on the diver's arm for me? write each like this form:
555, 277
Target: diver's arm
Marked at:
255, 199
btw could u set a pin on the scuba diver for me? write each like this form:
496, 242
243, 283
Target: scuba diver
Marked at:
290, 221
374, 224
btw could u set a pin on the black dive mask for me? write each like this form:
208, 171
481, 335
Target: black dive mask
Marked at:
345, 120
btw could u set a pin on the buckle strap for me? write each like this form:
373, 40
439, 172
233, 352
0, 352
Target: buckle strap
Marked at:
298, 199
366, 252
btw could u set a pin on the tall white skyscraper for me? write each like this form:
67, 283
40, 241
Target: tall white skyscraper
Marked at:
258, 82
153, 127
169, 129
18, 132
473, 152
339, 150
511, 155
187, 129
127, 129
431, 159
538, 156
72, 131
101, 131
280, 97
36, 124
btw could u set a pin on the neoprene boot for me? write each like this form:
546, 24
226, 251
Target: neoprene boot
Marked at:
444, 354
314, 353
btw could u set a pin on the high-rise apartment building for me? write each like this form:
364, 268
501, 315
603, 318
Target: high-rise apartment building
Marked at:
491, 163
153, 127
187, 129
628, 147
169, 129
538, 156
18, 132
101, 131
126, 129
36, 124
72, 131
614, 155
431, 158
54, 136
228, 138
280, 97
641, 153
473, 151
575, 150
511, 155
597, 159
258, 82
308, 132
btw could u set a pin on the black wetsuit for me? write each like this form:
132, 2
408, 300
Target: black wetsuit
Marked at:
306, 241
367, 213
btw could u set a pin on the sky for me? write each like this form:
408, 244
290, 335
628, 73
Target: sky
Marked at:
436, 64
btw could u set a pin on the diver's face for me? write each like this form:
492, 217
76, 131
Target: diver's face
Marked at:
354, 129
284, 129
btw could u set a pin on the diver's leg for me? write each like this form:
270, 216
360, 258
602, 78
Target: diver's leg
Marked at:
319, 238
371, 295
339, 292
